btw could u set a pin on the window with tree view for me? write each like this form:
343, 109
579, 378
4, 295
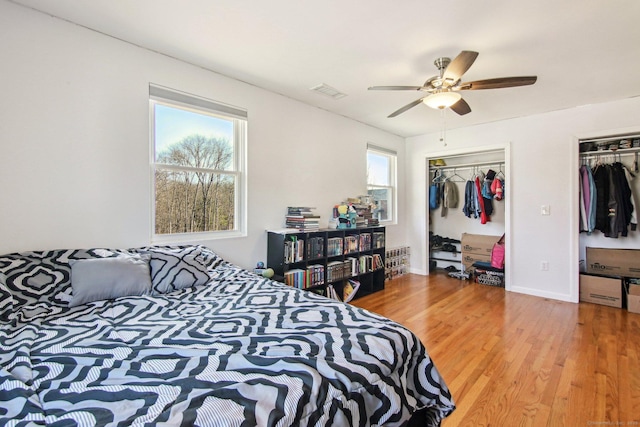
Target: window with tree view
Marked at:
198, 150
381, 181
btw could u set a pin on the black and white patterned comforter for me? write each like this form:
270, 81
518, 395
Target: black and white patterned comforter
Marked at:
239, 351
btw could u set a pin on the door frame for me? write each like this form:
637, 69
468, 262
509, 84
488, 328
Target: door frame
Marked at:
506, 149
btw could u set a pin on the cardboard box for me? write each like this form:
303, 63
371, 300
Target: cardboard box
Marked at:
601, 290
632, 287
468, 259
614, 262
479, 244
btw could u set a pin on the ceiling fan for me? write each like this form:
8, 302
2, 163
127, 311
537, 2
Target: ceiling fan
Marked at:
443, 89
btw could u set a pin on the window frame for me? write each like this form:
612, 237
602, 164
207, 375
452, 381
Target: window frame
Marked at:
159, 95
392, 177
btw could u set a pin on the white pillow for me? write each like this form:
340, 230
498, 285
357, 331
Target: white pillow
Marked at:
96, 279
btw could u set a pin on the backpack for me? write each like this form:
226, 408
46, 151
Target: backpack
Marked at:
434, 191
434, 196
497, 254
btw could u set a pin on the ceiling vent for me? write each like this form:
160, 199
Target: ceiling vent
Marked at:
328, 91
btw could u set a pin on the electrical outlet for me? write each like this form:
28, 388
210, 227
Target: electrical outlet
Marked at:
544, 265
545, 210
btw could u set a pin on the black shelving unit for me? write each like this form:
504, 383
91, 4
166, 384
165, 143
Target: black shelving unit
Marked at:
358, 246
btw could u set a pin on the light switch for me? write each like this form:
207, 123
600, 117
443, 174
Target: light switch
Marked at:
545, 210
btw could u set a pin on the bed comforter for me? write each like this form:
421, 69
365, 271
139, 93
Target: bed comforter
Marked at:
241, 350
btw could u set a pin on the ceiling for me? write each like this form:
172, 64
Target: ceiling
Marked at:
583, 51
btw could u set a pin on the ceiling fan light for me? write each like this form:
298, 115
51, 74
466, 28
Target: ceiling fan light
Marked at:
440, 100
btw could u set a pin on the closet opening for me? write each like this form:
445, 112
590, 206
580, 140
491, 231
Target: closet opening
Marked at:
609, 195
467, 214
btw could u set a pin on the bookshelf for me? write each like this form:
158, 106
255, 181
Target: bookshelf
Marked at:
312, 260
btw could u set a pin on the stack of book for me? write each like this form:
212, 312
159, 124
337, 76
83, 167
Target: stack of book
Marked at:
302, 218
363, 206
365, 215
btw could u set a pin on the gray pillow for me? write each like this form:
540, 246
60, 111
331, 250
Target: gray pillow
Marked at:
174, 268
98, 279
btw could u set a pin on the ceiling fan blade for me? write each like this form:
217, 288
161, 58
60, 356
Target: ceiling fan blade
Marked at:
395, 88
499, 82
405, 108
459, 65
461, 107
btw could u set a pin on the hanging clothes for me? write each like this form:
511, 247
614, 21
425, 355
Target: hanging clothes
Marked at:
601, 181
614, 201
484, 218
588, 195
497, 188
487, 195
469, 208
434, 191
449, 197
622, 191
633, 223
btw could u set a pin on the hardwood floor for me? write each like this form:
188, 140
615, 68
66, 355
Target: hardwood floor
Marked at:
518, 360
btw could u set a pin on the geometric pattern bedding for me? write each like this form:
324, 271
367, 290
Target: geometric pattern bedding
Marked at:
240, 350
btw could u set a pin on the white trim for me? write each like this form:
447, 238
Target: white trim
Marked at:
392, 178
574, 221
383, 150
574, 212
176, 99
541, 294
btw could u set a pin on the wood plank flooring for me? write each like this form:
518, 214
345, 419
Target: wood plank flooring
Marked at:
518, 360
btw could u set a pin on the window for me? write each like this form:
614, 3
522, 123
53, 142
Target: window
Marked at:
198, 165
381, 181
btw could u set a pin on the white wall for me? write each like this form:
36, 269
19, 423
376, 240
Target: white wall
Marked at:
74, 129
542, 170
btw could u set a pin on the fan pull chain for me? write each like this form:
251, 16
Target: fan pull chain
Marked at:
443, 130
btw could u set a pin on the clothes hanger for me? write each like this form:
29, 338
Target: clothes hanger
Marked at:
437, 176
455, 174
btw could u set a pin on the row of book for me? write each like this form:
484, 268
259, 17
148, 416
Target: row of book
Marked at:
335, 246
349, 289
350, 244
370, 263
315, 247
369, 240
302, 218
299, 278
355, 243
352, 266
365, 264
294, 248
338, 270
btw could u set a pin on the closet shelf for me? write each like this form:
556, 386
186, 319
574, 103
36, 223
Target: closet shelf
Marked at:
469, 165
618, 152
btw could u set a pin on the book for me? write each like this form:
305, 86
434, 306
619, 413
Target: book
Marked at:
349, 290
302, 218
331, 293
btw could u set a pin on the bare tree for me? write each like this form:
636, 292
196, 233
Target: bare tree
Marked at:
191, 200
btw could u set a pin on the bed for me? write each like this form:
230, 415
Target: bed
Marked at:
175, 335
